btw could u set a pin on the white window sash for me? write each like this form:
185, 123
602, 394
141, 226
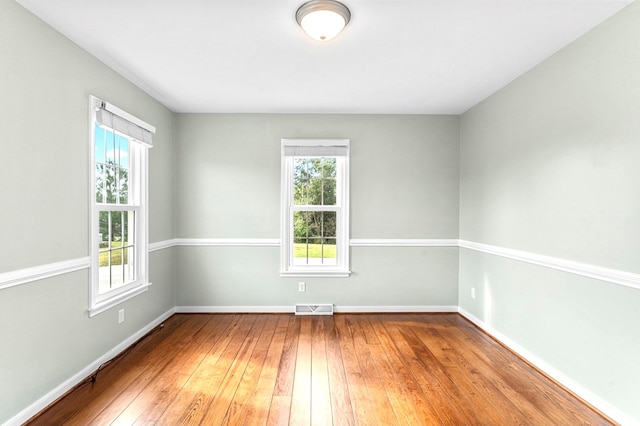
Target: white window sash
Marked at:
338, 148
313, 208
138, 200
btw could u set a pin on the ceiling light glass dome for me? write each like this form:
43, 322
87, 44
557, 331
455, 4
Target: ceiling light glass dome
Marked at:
322, 20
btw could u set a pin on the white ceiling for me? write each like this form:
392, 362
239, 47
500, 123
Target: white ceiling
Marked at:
395, 56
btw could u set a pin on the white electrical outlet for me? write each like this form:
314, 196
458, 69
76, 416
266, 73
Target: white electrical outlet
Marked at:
473, 292
120, 316
302, 287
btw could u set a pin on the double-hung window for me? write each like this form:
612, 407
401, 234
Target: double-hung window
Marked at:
119, 242
315, 207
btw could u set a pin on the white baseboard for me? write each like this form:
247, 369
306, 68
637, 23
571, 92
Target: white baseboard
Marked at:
81, 375
235, 309
396, 308
588, 396
337, 309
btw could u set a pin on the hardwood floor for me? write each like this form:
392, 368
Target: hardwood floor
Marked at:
278, 369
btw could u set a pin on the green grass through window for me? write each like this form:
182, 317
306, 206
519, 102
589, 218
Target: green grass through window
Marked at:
116, 255
315, 250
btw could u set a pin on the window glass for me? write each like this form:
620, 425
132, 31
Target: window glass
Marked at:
314, 238
314, 181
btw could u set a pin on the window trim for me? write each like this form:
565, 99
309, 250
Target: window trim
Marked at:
140, 161
341, 269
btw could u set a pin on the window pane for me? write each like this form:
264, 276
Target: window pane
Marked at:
103, 229
328, 168
116, 268
123, 152
128, 263
314, 238
109, 146
104, 273
328, 192
300, 224
301, 181
100, 139
314, 181
100, 183
121, 156
123, 186
328, 225
128, 231
112, 154
116, 227
329, 252
110, 184
116, 259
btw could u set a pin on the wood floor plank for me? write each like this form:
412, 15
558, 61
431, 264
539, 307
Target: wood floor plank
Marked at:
341, 409
286, 369
189, 406
152, 402
279, 369
474, 366
262, 397
526, 387
222, 400
240, 411
434, 375
377, 389
479, 394
301, 397
320, 390
363, 410
157, 361
411, 404
279, 411
452, 405
400, 402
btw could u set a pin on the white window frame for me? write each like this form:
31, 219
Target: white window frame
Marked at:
138, 133
287, 267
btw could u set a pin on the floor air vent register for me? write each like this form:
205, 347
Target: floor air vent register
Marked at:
314, 309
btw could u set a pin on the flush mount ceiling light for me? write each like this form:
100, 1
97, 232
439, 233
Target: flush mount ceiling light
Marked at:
322, 20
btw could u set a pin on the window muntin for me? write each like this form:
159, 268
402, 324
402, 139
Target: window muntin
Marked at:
315, 208
119, 146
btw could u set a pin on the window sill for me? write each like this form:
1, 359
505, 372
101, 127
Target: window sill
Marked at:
117, 299
316, 273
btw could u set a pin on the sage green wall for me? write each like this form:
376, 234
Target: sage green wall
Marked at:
549, 165
546, 165
45, 333
404, 184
